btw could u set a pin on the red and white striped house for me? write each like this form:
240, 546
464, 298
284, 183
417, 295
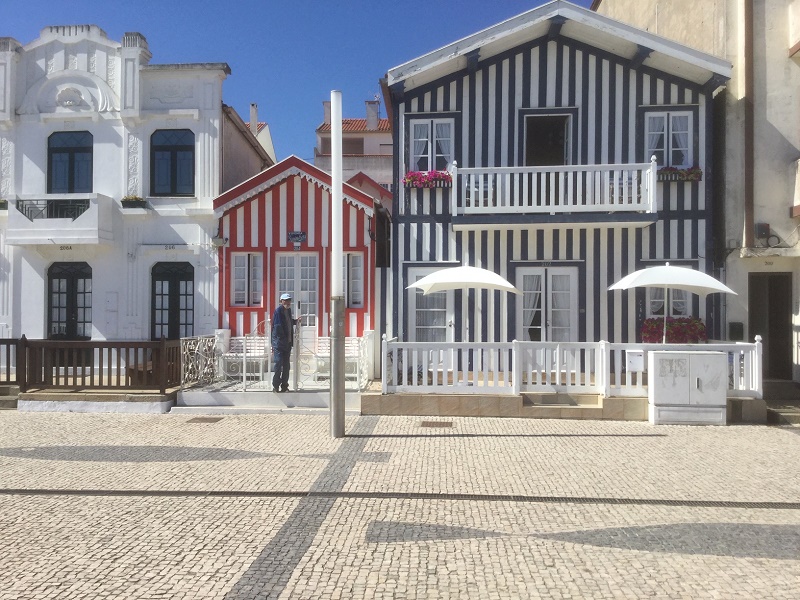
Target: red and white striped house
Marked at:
277, 232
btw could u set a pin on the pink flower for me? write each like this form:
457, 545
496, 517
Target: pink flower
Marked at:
426, 179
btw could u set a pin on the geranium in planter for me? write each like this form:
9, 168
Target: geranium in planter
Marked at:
680, 330
674, 174
428, 179
694, 174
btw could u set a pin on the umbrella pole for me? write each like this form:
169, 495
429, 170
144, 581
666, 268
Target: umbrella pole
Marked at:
664, 336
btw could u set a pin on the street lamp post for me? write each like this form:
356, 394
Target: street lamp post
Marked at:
337, 283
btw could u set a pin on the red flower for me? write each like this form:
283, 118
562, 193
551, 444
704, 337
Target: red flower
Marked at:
680, 330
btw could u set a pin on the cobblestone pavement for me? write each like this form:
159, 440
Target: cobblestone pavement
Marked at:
269, 506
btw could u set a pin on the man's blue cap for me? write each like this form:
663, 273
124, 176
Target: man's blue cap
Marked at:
286, 296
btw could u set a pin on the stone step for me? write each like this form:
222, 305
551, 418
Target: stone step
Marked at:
9, 390
562, 399
8, 403
783, 416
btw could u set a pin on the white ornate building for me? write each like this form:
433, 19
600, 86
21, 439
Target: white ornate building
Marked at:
108, 169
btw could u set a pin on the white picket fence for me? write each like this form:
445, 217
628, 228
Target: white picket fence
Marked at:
546, 367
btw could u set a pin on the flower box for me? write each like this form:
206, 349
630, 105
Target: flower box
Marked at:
672, 174
134, 202
428, 179
680, 330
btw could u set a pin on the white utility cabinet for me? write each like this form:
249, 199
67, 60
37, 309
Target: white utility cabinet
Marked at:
689, 388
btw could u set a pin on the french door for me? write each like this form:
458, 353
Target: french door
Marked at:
549, 308
172, 301
431, 316
298, 275
69, 301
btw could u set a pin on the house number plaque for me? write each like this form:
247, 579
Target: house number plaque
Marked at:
297, 238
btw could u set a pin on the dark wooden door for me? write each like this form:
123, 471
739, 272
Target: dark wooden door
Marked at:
770, 316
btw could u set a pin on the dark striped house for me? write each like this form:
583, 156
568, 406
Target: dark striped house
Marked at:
547, 125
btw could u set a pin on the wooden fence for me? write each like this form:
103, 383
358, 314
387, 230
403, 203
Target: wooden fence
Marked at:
93, 364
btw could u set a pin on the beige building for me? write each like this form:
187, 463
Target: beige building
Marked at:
756, 153
366, 145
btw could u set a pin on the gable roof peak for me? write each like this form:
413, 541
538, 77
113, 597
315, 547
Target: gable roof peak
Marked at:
564, 20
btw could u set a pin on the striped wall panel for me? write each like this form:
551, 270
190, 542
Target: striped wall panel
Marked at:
262, 224
485, 104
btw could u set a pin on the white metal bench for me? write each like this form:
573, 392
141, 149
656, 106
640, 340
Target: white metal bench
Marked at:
247, 357
351, 358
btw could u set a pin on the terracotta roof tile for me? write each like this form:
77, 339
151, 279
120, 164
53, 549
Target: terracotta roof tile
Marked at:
357, 125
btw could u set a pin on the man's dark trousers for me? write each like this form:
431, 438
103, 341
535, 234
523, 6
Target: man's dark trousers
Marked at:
280, 377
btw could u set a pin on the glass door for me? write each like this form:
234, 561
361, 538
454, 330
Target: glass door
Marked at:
298, 275
70, 301
172, 302
549, 308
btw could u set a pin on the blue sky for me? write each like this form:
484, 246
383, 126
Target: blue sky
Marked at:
285, 56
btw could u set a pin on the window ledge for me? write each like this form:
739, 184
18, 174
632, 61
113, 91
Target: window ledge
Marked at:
192, 113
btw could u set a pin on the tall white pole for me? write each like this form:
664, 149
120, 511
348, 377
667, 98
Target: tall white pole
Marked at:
337, 261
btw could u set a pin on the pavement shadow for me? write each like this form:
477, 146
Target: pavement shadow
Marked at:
136, 454
391, 532
741, 540
511, 435
269, 574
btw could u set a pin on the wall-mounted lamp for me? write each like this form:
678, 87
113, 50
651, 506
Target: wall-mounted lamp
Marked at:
218, 241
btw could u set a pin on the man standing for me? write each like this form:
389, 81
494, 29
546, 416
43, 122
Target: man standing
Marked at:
282, 340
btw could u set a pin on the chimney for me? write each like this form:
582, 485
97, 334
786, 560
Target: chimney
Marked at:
254, 118
326, 109
373, 108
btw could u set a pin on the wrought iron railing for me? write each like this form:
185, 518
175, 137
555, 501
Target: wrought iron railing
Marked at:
244, 363
57, 208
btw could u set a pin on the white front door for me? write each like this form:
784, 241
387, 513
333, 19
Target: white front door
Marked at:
298, 275
430, 318
548, 311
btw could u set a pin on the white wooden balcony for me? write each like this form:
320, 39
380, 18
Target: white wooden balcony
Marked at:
554, 190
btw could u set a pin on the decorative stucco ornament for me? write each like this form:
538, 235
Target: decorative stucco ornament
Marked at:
69, 91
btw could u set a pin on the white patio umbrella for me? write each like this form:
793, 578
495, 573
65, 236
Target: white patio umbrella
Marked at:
456, 278
672, 277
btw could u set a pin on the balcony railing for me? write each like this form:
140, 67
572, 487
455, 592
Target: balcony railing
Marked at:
62, 219
71, 208
555, 189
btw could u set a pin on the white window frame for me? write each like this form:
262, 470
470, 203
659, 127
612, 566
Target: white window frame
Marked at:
679, 303
353, 276
669, 118
430, 154
249, 275
415, 296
